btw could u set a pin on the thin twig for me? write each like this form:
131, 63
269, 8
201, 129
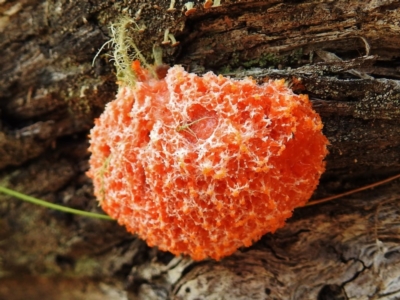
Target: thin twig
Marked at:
370, 186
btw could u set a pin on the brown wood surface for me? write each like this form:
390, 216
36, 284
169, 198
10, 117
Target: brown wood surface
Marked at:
343, 54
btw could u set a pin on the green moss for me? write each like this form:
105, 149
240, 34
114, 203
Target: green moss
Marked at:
225, 70
266, 60
86, 266
296, 55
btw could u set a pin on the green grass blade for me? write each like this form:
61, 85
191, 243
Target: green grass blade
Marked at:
36, 201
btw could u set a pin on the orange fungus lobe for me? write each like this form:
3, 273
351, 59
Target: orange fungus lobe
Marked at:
204, 165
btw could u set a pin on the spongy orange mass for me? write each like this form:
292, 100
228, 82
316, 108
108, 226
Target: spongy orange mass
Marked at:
204, 165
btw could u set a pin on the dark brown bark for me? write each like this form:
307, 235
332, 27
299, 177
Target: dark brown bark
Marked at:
343, 54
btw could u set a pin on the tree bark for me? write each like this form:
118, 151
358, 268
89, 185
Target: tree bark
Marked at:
343, 54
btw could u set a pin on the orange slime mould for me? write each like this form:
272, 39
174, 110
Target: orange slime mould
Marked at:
203, 165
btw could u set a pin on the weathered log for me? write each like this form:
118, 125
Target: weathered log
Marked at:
344, 55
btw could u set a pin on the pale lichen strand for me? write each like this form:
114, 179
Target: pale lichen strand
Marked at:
125, 50
141, 25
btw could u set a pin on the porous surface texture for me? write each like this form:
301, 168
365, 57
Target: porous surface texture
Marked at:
204, 165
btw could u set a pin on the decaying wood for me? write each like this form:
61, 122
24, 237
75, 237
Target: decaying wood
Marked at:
343, 54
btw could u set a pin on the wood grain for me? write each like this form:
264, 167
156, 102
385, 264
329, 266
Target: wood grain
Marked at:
343, 54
